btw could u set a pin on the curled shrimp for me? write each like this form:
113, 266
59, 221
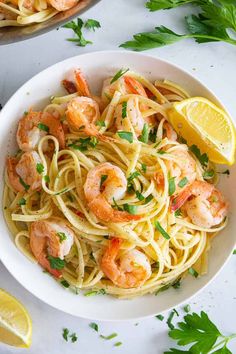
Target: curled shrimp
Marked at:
23, 174
125, 85
100, 197
170, 133
51, 237
130, 270
35, 125
183, 166
63, 5
134, 117
203, 203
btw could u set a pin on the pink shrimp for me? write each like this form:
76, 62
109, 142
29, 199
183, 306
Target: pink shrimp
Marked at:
203, 203
63, 5
130, 270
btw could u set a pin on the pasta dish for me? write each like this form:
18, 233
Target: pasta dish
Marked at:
105, 195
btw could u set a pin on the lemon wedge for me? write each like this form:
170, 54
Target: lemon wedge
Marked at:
15, 322
202, 123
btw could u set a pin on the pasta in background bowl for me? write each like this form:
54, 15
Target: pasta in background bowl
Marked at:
36, 94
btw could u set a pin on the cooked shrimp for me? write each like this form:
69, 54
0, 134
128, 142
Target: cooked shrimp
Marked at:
63, 5
29, 133
125, 85
130, 270
170, 133
207, 206
100, 198
82, 84
183, 166
23, 174
134, 117
51, 237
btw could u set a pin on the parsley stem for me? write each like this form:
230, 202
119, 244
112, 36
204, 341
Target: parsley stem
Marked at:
231, 41
224, 341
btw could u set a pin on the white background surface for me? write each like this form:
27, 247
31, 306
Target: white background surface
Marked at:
215, 65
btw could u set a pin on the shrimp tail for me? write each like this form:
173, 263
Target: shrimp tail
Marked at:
135, 86
179, 201
81, 84
12, 175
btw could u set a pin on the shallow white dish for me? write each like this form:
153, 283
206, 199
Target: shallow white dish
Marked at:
35, 93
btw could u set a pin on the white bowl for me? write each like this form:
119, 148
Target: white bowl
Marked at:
35, 92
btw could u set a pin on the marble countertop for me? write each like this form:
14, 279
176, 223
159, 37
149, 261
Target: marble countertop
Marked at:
214, 64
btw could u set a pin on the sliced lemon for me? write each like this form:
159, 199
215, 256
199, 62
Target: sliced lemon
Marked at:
15, 322
202, 123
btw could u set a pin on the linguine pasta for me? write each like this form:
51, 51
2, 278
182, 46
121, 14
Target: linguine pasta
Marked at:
62, 195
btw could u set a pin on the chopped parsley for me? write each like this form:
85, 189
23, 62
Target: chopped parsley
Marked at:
65, 283
100, 123
46, 179
203, 158
148, 199
73, 338
161, 230
56, 263
124, 110
95, 292
62, 236
183, 182
160, 317
130, 179
118, 75
208, 174
94, 326
139, 196
22, 201
40, 168
77, 29
170, 318
103, 179
226, 172
176, 284
131, 209
193, 272
187, 308
126, 136
153, 135
117, 344
172, 187
144, 167
83, 143
26, 186
145, 134
111, 336
234, 251
65, 334
43, 127
178, 212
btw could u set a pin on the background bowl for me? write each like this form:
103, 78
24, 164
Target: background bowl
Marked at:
36, 93
16, 34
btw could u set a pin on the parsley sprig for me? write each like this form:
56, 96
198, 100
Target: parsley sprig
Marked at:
201, 334
77, 27
210, 25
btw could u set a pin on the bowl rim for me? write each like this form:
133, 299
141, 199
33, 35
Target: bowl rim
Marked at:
49, 28
130, 317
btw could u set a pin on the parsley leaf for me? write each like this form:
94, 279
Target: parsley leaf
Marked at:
43, 127
203, 158
171, 185
73, 337
118, 75
77, 29
26, 186
155, 5
62, 236
40, 168
94, 326
83, 143
22, 201
111, 336
100, 123
103, 179
126, 135
65, 283
187, 308
95, 292
208, 174
131, 209
65, 333
161, 230
170, 318
193, 272
183, 182
117, 344
145, 134
144, 167
160, 317
56, 263
124, 110
139, 196
130, 179
92, 24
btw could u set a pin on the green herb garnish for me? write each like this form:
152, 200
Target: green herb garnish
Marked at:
103, 179
124, 110
73, 337
77, 29
145, 134
100, 123
126, 135
95, 292
65, 333
178, 212
94, 326
56, 263
183, 182
170, 318
111, 336
143, 167
187, 308
43, 127
22, 201
160, 317
203, 158
92, 24
234, 251
139, 196
161, 230
62, 236
208, 174
65, 284
46, 179
172, 187
119, 73
26, 186
193, 272
153, 135
39, 168
131, 209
